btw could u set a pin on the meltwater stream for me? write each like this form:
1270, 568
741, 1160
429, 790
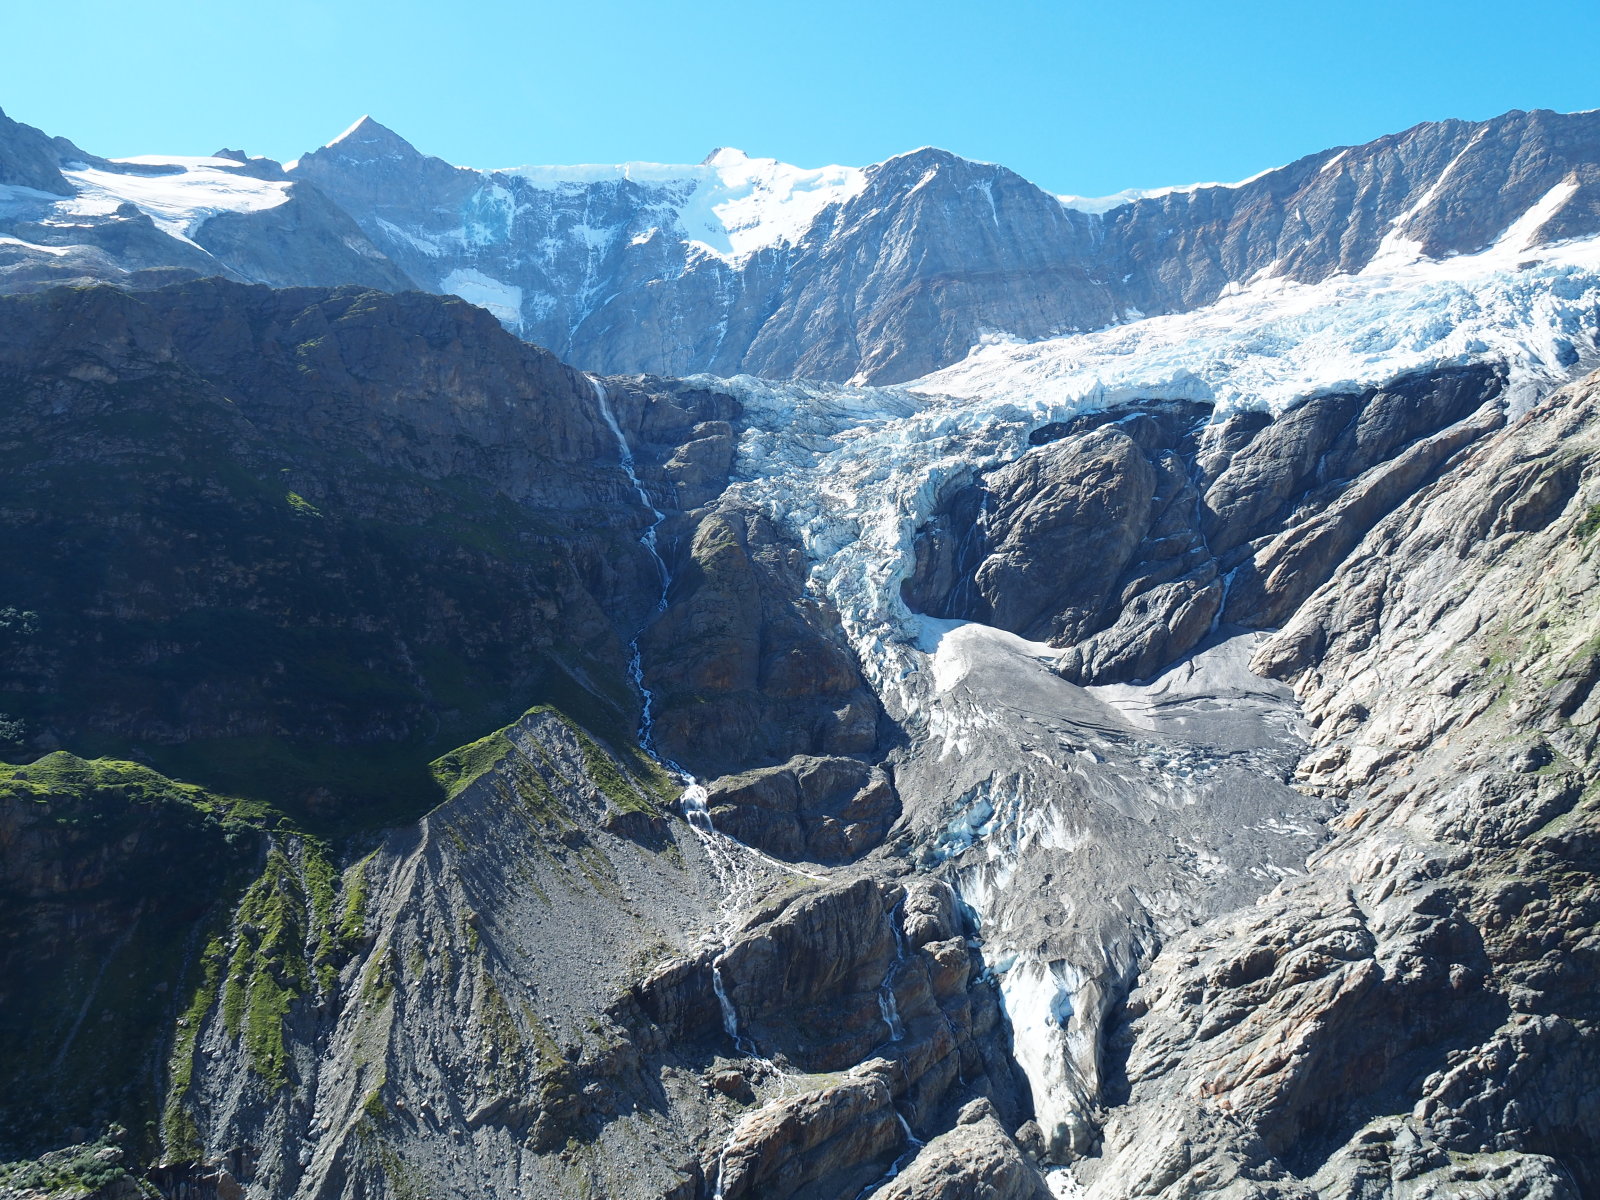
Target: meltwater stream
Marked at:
733, 861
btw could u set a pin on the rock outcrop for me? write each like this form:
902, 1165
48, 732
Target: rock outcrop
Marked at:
747, 667
821, 809
1416, 1016
976, 1160
1128, 536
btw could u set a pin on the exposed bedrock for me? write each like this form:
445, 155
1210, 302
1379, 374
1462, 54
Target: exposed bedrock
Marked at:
1128, 536
747, 667
826, 982
822, 809
976, 1160
1417, 1016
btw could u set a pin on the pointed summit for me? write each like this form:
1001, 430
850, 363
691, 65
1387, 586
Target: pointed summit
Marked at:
373, 140
724, 156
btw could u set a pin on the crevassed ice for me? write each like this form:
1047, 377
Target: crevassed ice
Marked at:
853, 471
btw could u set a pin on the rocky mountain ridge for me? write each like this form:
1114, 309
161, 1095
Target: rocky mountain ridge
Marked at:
881, 274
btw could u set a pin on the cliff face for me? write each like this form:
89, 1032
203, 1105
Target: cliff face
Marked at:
1415, 1015
261, 532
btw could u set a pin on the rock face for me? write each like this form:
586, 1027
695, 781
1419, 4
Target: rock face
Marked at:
974, 1161
882, 274
747, 667
305, 519
821, 809
1130, 535
30, 159
1415, 1016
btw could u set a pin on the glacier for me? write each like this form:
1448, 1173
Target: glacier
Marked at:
854, 471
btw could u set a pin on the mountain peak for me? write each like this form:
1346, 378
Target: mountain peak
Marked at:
371, 135
724, 156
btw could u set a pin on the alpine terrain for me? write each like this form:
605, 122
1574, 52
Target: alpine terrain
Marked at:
744, 682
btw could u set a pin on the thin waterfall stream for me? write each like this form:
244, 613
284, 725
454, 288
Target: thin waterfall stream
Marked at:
730, 858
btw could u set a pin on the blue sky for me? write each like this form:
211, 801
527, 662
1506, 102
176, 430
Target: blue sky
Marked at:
1085, 98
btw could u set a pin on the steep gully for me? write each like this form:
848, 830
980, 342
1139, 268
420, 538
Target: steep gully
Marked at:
740, 884
727, 855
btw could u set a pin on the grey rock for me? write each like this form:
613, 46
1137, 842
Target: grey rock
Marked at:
821, 809
973, 1161
747, 667
29, 159
1411, 1018
1128, 537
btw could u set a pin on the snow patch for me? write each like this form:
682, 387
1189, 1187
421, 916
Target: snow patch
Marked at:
354, 125
179, 203
35, 247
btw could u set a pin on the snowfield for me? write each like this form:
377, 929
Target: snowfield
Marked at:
731, 205
179, 202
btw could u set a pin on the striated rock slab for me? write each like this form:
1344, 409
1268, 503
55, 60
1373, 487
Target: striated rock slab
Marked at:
976, 1160
820, 809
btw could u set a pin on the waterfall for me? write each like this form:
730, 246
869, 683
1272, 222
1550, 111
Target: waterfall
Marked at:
731, 859
887, 1004
913, 1144
891, 1013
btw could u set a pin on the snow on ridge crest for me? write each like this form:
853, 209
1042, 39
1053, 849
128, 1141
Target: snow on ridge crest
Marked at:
738, 205
1095, 205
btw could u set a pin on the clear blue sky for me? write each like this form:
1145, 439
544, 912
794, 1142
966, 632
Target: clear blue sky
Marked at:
1079, 97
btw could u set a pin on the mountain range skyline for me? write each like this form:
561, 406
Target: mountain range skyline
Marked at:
1081, 98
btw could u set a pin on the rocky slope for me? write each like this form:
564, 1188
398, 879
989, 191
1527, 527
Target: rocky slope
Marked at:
1415, 1016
